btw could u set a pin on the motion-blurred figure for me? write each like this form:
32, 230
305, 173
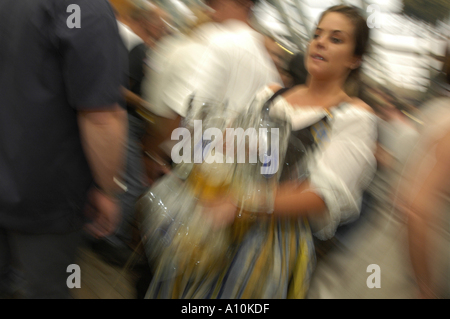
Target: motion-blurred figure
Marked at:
280, 58
264, 248
224, 61
425, 199
130, 30
380, 236
145, 23
397, 137
297, 70
62, 130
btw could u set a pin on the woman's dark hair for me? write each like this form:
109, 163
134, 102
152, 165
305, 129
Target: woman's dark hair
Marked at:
361, 37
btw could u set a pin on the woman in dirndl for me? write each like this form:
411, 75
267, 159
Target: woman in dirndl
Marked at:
257, 241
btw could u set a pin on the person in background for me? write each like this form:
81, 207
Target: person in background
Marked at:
297, 70
152, 22
153, 25
222, 61
63, 132
424, 197
280, 57
378, 237
130, 31
146, 21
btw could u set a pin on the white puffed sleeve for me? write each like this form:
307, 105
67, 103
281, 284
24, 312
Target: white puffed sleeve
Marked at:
262, 96
343, 169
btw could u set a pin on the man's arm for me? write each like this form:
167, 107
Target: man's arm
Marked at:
103, 135
92, 85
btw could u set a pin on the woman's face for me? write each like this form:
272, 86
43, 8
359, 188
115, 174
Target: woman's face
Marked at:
331, 51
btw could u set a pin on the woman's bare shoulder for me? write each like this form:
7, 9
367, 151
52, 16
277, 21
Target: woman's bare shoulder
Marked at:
357, 102
274, 87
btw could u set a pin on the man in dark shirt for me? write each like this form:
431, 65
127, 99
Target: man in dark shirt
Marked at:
147, 24
62, 129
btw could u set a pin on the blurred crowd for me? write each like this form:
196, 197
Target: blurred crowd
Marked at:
86, 122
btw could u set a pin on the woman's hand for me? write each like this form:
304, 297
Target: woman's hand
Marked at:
294, 199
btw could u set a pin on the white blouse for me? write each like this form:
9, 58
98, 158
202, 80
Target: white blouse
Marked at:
222, 62
342, 167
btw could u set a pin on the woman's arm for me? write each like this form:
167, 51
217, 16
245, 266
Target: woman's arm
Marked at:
298, 200
338, 175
